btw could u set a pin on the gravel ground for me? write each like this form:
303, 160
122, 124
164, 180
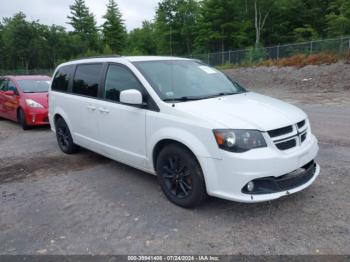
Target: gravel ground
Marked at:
326, 84
86, 204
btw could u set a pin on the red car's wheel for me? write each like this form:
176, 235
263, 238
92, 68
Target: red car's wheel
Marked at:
22, 120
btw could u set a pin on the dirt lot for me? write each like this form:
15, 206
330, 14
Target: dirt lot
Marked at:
86, 204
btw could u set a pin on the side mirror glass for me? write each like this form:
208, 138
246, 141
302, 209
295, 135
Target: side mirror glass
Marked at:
131, 97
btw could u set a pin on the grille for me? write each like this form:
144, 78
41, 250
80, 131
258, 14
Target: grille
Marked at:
281, 131
301, 124
287, 144
303, 137
288, 181
288, 137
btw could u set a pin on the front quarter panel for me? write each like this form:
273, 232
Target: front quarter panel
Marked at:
193, 133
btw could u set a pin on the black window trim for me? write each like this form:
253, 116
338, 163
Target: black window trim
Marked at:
151, 104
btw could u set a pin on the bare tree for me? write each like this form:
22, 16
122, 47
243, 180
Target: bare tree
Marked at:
260, 20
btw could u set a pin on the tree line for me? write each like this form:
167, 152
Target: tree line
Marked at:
180, 27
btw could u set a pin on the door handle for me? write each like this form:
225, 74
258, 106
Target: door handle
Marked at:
103, 110
92, 108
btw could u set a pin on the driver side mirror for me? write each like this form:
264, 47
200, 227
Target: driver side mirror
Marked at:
9, 93
131, 97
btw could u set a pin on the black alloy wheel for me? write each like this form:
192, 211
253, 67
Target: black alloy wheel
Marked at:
64, 137
180, 176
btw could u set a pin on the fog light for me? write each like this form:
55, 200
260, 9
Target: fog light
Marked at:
33, 118
250, 186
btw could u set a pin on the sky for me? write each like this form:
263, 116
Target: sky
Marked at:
55, 11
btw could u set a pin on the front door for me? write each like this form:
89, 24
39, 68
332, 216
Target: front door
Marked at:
122, 127
11, 101
3, 88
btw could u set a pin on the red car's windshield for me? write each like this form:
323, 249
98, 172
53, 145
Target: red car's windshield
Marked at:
34, 86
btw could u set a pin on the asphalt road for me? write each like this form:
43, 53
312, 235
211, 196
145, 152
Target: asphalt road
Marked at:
86, 204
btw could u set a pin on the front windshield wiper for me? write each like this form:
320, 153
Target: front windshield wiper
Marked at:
193, 98
221, 94
35, 92
182, 99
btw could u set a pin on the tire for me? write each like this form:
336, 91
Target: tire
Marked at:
180, 176
64, 137
22, 120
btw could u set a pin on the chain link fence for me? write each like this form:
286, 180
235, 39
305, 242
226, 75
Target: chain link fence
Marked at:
340, 46
47, 72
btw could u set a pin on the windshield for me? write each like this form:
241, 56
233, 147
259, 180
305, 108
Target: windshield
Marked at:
34, 86
182, 80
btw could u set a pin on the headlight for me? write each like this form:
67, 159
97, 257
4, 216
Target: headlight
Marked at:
33, 104
239, 141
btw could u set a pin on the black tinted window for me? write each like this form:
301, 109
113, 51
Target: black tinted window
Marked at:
61, 79
86, 79
119, 79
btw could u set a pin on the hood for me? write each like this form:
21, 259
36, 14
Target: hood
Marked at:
41, 98
245, 111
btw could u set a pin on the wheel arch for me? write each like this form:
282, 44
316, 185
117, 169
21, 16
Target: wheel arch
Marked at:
60, 114
164, 143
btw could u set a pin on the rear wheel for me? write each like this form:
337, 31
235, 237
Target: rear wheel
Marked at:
22, 120
64, 137
180, 176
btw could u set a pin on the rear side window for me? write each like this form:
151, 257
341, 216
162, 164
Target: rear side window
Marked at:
119, 79
86, 79
61, 80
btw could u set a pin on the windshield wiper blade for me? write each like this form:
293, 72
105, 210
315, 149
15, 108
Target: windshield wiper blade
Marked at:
220, 94
182, 99
193, 98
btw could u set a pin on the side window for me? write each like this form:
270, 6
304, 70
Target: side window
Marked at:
86, 79
60, 82
3, 85
11, 86
119, 79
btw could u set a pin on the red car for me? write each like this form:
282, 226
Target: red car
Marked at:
24, 99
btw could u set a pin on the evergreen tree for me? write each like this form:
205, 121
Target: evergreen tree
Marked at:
225, 25
114, 32
84, 24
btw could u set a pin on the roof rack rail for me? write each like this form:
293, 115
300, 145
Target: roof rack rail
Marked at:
92, 57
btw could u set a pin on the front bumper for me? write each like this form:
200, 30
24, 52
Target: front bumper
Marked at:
227, 177
37, 117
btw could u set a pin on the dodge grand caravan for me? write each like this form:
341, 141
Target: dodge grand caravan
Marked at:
200, 132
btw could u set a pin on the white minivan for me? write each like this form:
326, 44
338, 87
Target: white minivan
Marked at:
199, 131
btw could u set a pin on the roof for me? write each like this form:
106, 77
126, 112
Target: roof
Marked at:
152, 58
125, 58
28, 77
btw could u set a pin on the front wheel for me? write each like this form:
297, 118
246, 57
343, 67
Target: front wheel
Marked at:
180, 176
64, 137
22, 120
